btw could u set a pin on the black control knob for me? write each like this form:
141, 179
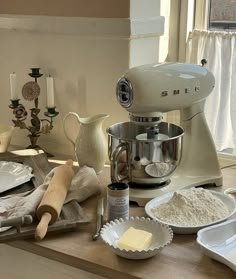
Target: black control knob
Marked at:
124, 92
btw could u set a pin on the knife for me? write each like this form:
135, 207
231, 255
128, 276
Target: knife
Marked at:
100, 211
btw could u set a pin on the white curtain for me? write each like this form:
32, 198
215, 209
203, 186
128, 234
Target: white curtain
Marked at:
219, 49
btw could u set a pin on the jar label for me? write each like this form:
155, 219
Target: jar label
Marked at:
118, 207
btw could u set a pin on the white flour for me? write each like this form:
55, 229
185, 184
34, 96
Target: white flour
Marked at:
191, 207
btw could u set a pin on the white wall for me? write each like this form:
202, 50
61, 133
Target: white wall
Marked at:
85, 71
72, 8
85, 57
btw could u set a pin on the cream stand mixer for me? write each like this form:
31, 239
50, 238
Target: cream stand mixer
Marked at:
156, 157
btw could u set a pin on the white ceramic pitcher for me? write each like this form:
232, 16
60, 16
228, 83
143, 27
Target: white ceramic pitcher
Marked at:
91, 144
5, 136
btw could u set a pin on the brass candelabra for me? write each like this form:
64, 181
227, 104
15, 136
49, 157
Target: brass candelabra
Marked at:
31, 92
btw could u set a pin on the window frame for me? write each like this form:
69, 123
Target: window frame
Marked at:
186, 25
202, 9
202, 16
226, 25
201, 22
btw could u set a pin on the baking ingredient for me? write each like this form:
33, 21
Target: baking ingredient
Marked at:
191, 207
117, 200
135, 240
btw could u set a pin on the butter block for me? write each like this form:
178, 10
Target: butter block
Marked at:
135, 240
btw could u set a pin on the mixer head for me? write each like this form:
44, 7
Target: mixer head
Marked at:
149, 90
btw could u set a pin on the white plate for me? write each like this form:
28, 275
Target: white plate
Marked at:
219, 242
162, 235
229, 202
13, 174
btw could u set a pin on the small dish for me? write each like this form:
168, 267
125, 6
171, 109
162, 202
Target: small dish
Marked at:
228, 201
219, 242
162, 235
13, 174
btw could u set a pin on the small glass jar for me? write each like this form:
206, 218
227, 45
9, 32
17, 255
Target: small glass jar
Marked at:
117, 200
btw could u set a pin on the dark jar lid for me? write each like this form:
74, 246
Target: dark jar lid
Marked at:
118, 186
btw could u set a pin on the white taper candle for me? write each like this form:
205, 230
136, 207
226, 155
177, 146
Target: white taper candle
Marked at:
50, 92
13, 87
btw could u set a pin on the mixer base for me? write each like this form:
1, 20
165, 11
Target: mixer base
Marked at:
149, 186
142, 195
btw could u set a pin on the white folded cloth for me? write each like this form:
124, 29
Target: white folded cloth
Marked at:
84, 184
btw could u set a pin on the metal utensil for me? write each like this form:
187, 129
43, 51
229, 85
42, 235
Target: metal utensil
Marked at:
17, 222
100, 211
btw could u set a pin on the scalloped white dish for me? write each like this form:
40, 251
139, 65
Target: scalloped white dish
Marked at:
228, 201
162, 235
13, 174
219, 242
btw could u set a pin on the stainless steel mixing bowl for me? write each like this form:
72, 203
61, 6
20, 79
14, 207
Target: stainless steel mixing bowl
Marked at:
136, 158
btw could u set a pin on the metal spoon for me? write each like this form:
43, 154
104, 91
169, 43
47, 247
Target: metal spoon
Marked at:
100, 211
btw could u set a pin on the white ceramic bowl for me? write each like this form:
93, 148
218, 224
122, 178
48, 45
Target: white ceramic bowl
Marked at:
219, 242
162, 236
229, 202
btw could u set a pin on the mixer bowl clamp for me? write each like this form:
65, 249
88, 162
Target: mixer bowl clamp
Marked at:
117, 166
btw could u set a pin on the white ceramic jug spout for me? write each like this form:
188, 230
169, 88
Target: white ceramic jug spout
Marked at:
90, 145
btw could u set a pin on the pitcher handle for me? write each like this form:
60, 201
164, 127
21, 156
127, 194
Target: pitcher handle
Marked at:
115, 177
64, 125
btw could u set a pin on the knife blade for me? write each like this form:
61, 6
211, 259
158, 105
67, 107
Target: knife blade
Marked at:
100, 212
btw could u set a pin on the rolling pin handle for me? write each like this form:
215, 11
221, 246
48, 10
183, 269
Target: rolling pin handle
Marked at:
42, 227
69, 163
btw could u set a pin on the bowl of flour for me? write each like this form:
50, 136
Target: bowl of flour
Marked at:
187, 211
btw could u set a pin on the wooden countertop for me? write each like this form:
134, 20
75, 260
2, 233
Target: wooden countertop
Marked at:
181, 259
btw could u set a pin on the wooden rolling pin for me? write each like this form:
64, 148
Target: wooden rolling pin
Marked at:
51, 204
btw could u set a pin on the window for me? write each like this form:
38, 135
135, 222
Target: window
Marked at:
222, 15
214, 38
